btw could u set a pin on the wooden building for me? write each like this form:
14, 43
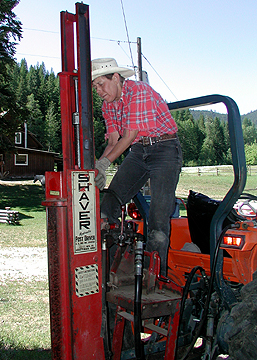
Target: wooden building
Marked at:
27, 159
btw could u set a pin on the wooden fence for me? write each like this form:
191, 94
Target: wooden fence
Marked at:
202, 170
9, 216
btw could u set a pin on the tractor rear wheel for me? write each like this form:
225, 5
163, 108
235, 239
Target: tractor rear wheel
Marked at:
242, 337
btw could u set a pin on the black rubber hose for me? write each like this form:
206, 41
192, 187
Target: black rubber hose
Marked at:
206, 306
137, 318
139, 253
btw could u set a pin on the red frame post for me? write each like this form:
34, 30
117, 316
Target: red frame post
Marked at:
73, 209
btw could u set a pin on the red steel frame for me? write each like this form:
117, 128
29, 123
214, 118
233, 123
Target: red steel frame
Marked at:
75, 302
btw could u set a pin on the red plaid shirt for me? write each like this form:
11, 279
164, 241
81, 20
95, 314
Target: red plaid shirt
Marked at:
139, 108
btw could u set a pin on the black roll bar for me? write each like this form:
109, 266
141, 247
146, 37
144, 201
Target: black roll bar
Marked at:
240, 174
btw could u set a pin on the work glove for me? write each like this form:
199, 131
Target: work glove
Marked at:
101, 166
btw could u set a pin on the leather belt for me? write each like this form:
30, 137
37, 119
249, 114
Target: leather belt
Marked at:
150, 140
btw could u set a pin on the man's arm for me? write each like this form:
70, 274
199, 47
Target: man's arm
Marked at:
116, 147
113, 150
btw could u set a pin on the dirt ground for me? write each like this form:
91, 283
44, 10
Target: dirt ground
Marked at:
23, 263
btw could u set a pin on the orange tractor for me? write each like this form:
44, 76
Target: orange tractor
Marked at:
212, 261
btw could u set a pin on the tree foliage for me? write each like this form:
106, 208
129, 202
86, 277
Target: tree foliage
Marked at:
37, 93
251, 154
206, 141
10, 32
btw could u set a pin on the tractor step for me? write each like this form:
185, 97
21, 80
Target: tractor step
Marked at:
159, 304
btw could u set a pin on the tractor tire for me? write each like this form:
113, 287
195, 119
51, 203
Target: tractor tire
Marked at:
242, 337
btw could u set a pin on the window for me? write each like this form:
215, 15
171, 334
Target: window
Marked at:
18, 138
21, 159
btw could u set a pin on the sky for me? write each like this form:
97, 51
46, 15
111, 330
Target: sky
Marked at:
190, 48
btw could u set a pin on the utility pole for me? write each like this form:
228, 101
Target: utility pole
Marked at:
139, 57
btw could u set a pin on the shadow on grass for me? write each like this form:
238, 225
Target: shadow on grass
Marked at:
24, 354
25, 197
24, 216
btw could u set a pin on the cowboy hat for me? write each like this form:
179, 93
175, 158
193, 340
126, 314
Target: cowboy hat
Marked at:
107, 66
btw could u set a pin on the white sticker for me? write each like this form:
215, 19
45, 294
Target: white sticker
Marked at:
86, 280
84, 213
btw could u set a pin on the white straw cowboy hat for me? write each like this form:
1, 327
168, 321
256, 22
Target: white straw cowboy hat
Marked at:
107, 66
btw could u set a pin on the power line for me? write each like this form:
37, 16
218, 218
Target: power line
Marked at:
104, 39
127, 33
47, 31
118, 41
160, 77
92, 37
51, 57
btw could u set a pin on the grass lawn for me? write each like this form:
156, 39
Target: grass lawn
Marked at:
24, 304
25, 197
25, 328
214, 186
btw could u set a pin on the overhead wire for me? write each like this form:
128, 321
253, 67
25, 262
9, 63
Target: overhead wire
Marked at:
125, 22
112, 40
160, 77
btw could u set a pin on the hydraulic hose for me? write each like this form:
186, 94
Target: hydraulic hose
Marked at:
139, 253
211, 281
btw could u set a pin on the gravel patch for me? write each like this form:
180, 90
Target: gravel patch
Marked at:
23, 263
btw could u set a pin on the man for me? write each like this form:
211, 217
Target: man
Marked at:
137, 118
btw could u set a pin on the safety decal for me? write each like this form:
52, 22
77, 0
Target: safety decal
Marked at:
84, 213
86, 280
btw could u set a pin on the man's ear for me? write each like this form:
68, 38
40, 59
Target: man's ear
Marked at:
116, 77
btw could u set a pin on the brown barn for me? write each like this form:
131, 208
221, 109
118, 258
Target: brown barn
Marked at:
27, 159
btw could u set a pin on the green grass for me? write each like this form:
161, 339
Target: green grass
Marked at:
24, 305
214, 186
25, 326
27, 200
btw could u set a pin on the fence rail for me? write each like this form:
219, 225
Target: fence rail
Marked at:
9, 216
202, 170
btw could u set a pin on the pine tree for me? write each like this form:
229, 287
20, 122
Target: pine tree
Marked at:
22, 86
251, 154
35, 120
10, 32
53, 129
249, 131
99, 126
214, 149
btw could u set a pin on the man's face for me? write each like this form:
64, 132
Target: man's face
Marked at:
109, 90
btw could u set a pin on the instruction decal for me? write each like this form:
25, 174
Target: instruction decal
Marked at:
84, 212
86, 280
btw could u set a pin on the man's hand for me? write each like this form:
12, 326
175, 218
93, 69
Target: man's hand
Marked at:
101, 166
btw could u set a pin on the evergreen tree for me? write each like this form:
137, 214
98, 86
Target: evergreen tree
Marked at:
251, 154
35, 120
10, 32
188, 133
22, 86
33, 81
52, 90
190, 136
53, 129
214, 149
99, 126
42, 95
249, 131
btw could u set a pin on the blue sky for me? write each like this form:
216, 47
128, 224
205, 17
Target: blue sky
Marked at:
195, 47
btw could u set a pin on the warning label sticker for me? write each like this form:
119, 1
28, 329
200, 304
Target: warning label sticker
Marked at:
84, 218
86, 280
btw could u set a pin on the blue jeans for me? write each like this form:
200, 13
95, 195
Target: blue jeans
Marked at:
161, 163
